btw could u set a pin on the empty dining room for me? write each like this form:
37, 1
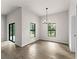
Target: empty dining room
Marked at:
38, 29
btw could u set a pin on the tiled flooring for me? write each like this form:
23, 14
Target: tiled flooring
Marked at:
37, 50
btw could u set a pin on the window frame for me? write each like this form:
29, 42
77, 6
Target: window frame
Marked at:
33, 29
51, 30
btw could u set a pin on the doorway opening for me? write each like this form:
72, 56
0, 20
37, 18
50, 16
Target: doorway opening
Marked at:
12, 32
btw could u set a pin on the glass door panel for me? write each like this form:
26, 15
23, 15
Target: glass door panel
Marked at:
12, 32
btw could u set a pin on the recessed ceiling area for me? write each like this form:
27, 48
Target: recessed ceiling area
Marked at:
37, 6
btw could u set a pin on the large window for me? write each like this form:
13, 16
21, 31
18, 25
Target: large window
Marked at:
33, 29
12, 32
51, 29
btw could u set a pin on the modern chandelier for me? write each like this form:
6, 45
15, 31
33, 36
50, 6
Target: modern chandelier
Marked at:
45, 21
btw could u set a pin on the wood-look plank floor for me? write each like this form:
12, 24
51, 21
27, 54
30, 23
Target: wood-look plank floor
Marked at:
37, 50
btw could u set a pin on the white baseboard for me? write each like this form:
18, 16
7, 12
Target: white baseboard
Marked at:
55, 41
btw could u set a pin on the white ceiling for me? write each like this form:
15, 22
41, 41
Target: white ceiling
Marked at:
37, 6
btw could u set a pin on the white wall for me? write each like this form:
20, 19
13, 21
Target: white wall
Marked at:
27, 18
3, 27
22, 18
16, 17
73, 25
61, 20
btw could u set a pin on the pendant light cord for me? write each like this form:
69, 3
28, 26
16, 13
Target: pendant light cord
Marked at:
46, 14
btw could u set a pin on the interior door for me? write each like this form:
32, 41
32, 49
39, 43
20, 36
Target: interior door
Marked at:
12, 32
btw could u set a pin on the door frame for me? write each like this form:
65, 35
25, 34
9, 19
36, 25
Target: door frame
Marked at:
12, 32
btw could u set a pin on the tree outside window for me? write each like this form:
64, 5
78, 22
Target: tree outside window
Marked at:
32, 29
51, 29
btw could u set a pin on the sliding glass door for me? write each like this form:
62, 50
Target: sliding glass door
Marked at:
12, 32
